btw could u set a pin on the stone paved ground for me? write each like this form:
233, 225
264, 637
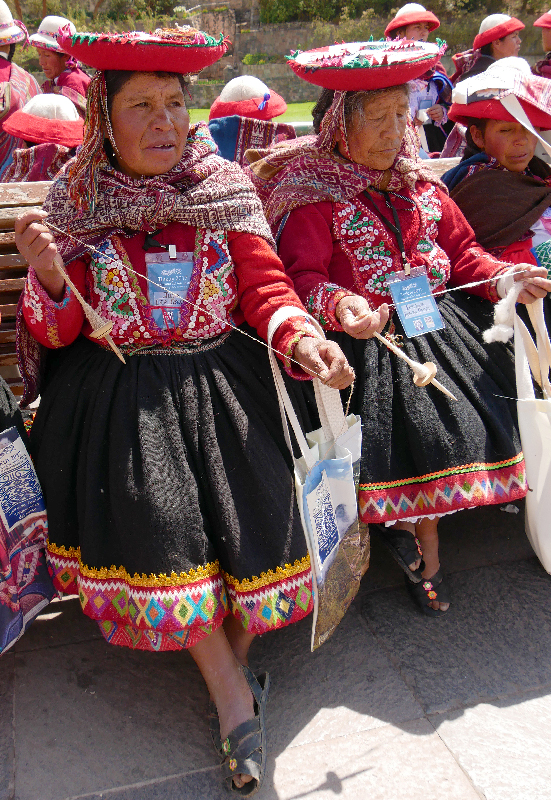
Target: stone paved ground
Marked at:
394, 706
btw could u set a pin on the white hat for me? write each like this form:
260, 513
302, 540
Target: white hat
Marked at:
11, 31
493, 21
52, 106
46, 36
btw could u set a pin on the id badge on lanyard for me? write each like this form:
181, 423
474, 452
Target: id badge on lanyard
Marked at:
171, 272
414, 302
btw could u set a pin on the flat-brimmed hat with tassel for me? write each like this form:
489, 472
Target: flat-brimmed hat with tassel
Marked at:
364, 66
46, 36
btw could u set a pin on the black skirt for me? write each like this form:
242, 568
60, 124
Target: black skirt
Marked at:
424, 454
169, 491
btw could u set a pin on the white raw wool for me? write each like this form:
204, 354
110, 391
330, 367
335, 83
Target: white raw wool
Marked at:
504, 317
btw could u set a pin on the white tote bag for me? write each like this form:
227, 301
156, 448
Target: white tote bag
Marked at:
534, 419
326, 480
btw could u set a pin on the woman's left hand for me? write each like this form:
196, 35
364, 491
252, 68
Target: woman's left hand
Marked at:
324, 360
535, 282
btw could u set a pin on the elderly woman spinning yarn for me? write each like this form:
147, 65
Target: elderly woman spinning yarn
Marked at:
166, 479
357, 215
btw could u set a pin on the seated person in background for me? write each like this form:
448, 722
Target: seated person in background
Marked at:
62, 72
543, 67
16, 85
413, 21
241, 118
51, 127
497, 38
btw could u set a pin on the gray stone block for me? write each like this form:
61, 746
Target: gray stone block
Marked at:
494, 641
62, 622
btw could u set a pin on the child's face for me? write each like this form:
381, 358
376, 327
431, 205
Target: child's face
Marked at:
419, 31
508, 142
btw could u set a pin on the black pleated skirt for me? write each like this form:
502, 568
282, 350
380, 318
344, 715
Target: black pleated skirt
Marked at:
424, 454
169, 491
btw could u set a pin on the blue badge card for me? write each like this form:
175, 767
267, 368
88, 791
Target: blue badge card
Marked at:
414, 302
172, 276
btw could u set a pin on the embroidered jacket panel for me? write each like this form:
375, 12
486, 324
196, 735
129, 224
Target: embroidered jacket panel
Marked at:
236, 277
331, 250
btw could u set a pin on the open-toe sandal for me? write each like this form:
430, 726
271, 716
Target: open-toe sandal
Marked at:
404, 547
244, 749
427, 591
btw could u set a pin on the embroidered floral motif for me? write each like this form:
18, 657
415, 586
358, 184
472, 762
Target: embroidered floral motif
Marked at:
373, 252
40, 303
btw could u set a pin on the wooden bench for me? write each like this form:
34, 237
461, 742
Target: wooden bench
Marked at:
15, 198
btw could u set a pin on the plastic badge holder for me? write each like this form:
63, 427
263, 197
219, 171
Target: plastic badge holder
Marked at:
172, 272
414, 302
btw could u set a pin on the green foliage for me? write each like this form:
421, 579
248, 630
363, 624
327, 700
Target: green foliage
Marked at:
262, 58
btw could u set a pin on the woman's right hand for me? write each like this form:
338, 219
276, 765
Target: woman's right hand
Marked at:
358, 319
36, 243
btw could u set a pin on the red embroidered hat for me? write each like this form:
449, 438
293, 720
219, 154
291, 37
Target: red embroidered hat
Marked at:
409, 15
360, 66
183, 50
494, 27
47, 118
481, 96
544, 21
247, 96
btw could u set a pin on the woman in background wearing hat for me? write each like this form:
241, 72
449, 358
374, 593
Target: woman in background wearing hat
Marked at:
63, 74
499, 170
543, 67
497, 38
18, 86
241, 118
170, 499
414, 22
52, 129
351, 208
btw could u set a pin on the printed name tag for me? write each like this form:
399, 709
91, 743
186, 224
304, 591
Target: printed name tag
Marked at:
172, 276
414, 302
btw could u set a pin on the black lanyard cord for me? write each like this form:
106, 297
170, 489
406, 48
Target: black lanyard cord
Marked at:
394, 227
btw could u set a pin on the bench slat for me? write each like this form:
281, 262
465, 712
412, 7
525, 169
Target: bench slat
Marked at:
12, 285
8, 311
7, 336
23, 194
8, 359
9, 215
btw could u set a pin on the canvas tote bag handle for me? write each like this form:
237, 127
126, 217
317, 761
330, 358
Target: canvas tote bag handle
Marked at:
529, 358
328, 400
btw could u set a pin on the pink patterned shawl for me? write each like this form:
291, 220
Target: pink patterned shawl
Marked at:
310, 170
203, 190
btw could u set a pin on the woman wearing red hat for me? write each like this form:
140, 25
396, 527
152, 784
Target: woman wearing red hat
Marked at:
543, 67
497, 38
500, 164
52, 129
414, 22
360, 224
170, 499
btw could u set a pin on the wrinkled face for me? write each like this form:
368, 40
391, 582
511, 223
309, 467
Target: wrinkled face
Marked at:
509, 142
375, 136
150, 124
546, 39
52, 64
508, 46
418, 31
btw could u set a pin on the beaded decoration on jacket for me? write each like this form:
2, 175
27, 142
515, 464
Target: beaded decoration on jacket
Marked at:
116, 294
373, 252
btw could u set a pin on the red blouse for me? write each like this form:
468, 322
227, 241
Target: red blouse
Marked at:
235, 277
332, 250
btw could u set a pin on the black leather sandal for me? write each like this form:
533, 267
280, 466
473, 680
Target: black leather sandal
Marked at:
404, 547
244, 749
427, 591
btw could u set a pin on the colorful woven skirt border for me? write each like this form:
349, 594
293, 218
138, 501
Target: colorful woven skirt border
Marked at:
172, 612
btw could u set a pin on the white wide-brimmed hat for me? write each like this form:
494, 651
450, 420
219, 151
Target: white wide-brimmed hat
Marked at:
11, 30
46, 36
